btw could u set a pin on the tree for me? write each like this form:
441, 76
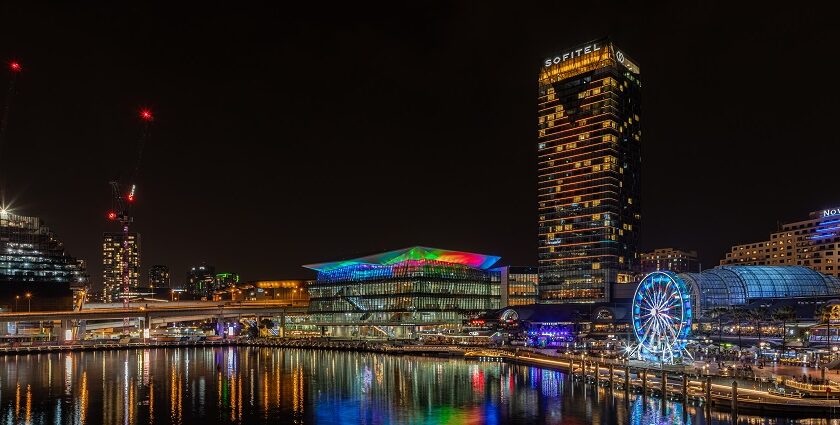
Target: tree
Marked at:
738, 315
784, 314
758, 316
718, 313
826, 314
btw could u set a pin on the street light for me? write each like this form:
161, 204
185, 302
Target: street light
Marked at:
29, 299
17, 298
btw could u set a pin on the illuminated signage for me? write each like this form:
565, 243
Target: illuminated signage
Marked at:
831, 212
594, 47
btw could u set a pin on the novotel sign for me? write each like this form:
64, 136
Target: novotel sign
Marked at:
831, 212
594, 47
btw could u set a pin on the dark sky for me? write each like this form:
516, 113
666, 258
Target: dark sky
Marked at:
286, 135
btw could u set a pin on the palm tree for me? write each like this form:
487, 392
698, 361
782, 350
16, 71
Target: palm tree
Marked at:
718, 313
758, 316
738, 315
784, 314
826, 314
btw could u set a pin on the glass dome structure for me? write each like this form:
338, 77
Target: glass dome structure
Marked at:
738, 285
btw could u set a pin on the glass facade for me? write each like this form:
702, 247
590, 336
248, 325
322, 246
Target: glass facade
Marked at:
409, 287
35, 270
589, 160
30, 252
738, 285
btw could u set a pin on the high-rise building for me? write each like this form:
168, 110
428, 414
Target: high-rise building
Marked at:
588, 142
159, 277
813, 243
33, 261
113, 263
670, 259
201, 280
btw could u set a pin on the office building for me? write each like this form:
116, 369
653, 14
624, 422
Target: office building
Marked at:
113, 264
201, 280
813, 243
400, 293
588, 142
289, 290
224, 281
33, 261
670, 259
159, 277
518, 285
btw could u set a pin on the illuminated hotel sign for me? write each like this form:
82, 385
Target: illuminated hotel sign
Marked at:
594, 47
831, 212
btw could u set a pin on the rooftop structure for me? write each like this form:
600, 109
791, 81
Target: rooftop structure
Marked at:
740, 285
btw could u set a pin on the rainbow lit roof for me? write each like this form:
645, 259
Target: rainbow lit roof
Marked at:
479, 261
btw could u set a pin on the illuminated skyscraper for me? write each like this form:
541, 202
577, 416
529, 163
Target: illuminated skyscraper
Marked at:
112, 264
588, 172
33, 261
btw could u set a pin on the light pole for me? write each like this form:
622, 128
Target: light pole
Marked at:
17, 298
29, 300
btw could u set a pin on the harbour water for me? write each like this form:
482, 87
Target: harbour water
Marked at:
234, 385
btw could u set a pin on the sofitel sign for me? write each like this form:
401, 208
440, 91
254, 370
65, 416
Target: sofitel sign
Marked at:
831, 212
594, 47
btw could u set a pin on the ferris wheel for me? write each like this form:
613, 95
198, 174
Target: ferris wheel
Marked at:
661, 317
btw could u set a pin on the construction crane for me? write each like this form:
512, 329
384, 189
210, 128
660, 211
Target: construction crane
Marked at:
14, 69
122, 198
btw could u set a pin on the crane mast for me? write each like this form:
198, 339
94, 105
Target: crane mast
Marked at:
122, 198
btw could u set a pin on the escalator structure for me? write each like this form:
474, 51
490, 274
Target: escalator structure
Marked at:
346, 294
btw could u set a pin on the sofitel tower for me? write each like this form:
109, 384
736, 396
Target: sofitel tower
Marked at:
588, 173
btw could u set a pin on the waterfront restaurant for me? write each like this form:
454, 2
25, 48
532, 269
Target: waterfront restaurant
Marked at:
402, 293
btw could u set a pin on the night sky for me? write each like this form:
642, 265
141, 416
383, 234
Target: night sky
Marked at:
288, 136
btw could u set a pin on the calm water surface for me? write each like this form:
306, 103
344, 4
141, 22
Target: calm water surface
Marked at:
272, 385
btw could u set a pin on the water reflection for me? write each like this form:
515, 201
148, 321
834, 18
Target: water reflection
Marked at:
261, 385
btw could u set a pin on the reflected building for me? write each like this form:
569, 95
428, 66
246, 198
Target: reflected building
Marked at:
589, 161
402, 292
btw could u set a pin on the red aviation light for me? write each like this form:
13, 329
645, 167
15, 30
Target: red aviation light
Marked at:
112, 215
146, 115
14, 66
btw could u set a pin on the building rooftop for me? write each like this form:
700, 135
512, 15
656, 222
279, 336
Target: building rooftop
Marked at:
739, 285
479, 261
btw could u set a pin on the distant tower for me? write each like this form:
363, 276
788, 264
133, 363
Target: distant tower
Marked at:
159, 277
588, 144
201, 280
112, 264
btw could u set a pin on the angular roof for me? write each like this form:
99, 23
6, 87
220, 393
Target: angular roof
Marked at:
479, 261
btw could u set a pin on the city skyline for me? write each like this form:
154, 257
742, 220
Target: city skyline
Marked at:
244, 139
